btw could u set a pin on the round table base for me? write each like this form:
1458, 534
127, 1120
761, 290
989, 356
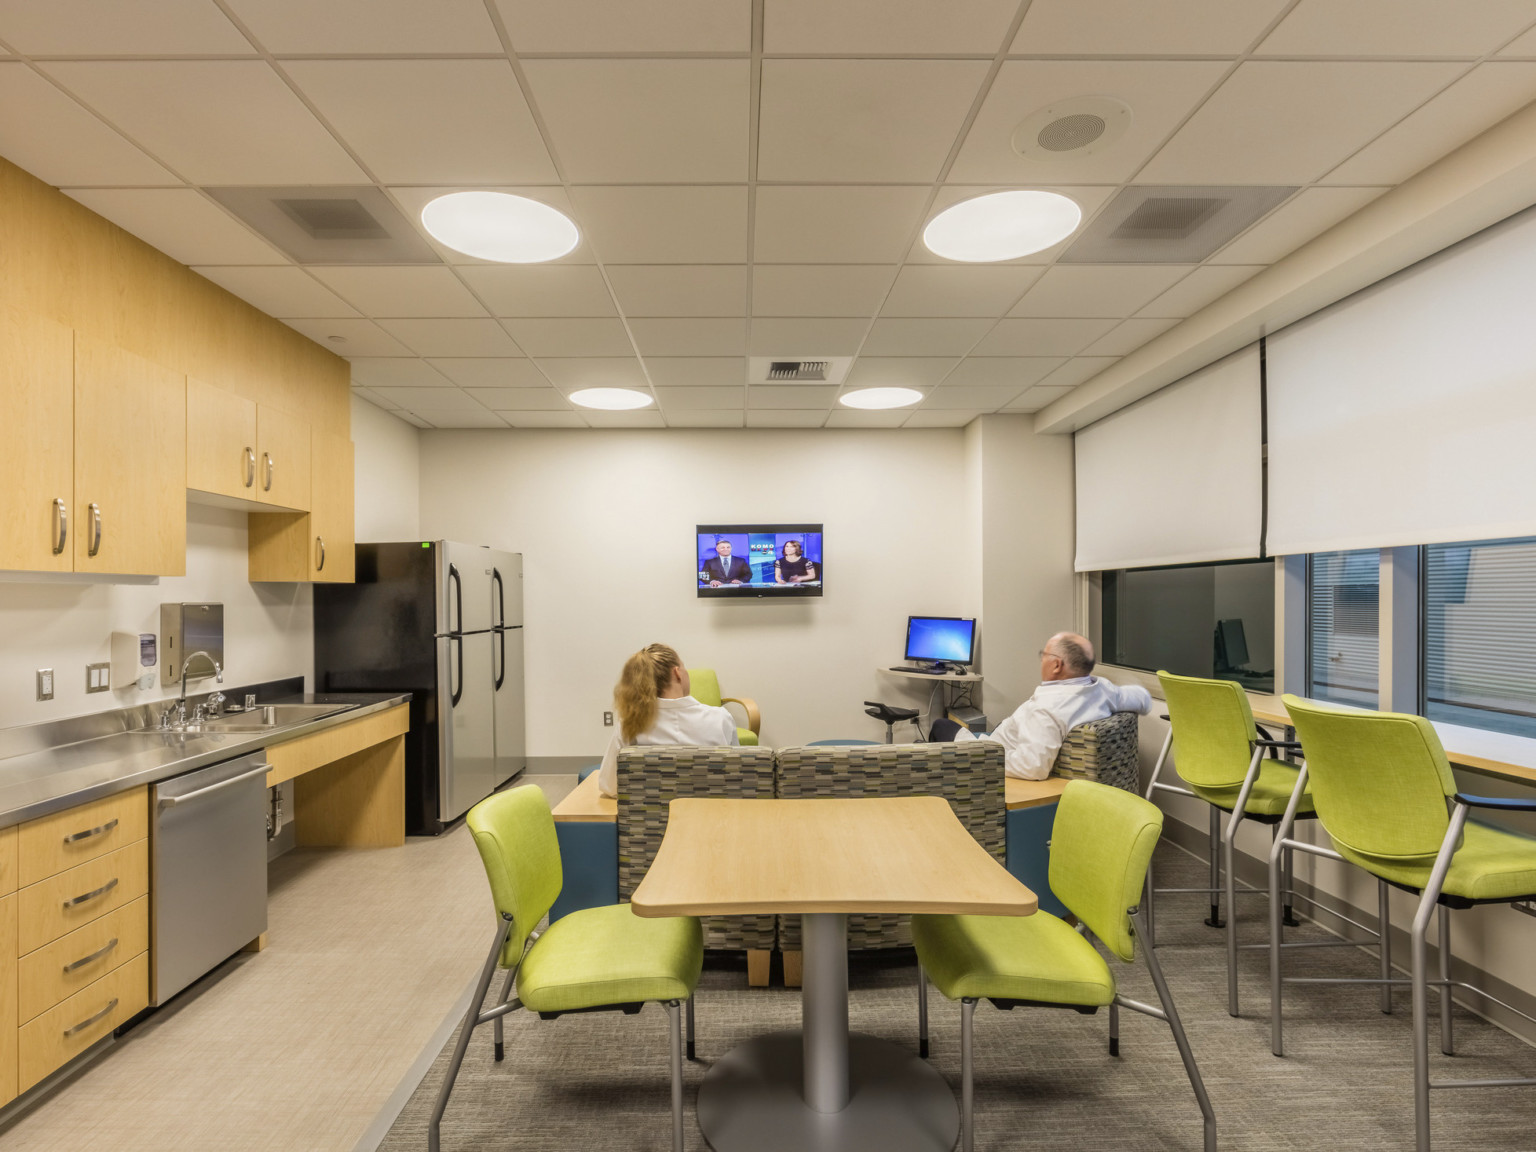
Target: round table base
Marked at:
751, 1101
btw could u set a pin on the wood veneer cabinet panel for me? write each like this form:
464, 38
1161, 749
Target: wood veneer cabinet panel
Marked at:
56, 971
52, 844
333, 553
221, 441
8, 870
62, 1033
48, 910
130, 463
7, 998
37, 446
283, 464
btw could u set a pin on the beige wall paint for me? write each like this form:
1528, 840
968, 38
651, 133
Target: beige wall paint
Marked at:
387, 462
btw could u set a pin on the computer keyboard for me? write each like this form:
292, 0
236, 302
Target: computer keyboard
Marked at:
920, 671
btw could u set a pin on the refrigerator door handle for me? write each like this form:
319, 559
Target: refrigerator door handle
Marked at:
501, 671
456, 625
499, 607
456, 694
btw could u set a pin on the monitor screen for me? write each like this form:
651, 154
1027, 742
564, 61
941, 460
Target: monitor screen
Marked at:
948, 638
751, 561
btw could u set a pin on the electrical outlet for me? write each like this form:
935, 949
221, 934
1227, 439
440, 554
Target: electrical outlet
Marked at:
98, 677
607, 719
45, 683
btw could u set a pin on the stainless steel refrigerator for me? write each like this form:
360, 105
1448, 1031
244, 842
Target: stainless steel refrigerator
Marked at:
443, 621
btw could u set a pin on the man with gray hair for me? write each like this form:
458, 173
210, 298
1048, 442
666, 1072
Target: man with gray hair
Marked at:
1069, 694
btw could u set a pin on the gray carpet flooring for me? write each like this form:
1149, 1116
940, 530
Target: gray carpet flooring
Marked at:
1044, 1078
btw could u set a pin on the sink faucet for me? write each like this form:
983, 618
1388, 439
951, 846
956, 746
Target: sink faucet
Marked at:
180, 707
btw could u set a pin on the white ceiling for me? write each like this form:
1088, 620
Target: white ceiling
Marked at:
750, 179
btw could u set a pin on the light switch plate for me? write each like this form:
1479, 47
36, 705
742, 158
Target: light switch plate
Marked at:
45, 683
98, 677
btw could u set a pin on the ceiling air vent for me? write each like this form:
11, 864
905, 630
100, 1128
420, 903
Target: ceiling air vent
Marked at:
340, 225
798, 370
333, 219
1153, 225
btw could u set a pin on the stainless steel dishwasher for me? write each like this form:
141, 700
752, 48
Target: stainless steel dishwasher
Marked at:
208, 870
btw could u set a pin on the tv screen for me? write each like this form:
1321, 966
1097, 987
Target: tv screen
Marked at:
947, 639
756, 560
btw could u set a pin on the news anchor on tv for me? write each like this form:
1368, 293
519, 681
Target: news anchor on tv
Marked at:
792, 567
723, 568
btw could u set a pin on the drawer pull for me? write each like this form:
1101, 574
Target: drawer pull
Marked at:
86, 1023
102, 830
96, 955
84, 896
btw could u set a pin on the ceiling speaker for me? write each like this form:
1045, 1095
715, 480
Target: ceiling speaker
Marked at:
1079, 126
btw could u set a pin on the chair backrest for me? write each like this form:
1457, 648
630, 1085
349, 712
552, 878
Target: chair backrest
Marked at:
1101, 845
1102, 750
1379, 779
706, 686
516, 837
1213, 729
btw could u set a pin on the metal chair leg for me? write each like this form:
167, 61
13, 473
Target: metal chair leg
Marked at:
691, 1053
967, 1078
1186, 1054
922, 1012
1443, 914
1228, 860
1114, 1029
1420, 976
506, 990
1276, 919
471, 1018
1384, 949
1147, 903
1291, 920
675, 1034
1215, 920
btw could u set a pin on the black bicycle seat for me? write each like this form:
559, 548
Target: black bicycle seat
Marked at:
886, 714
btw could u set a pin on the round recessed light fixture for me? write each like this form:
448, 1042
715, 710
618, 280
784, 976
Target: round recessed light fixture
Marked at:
1001, 226
499, 226
881, 398
611, 399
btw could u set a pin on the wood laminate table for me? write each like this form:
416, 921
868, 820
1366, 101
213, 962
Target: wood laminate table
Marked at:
822, 1089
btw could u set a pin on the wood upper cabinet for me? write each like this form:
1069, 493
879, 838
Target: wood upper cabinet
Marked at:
221, 441
282, 459
316, 545
37, 503
130, 463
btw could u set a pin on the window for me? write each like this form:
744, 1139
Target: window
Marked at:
1212, 620
1343, 626
1480, 634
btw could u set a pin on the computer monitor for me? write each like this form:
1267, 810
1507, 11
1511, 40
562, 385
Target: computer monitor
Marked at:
1231, 645
941, 639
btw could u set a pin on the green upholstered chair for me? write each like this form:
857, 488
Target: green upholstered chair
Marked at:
589, 960
1100, 849
1382, 787
706, 690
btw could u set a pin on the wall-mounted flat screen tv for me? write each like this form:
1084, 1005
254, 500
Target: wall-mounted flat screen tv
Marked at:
751, 561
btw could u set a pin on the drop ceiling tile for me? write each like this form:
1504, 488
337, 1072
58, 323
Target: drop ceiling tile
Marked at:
695, 371
389, 292
786, 418
728, 418
858, 418
1143, 27
887, 27
429, 121
924, 337
349, 337
413, 199
805, 337
638, 121
1296, 119
1041, 337
1089, 198
779, 396
544, 419
1114, 290
862, 120
716, 398
548, 336
90, 28
819, 289
1019, 371
1524, 45
374, 398
345, 27
836, 225
465, 419
574, 372
540, 289
986, 397
278, 291
1309, 213
424, 400
1127, 336
61, 143
213, 122
409, 417
1468, 107
941, 418
680, 289
1395, 28
1160, 93
397, 372
1198, 289
490, 372
900, 371
452, 337
181, 223
954, 290
667, 225
1077, 370
602, 26
1036, 399
527, 399
661, 337
645, 418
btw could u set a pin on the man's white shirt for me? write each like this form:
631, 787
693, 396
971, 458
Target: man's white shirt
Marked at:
1036, 731
682, 720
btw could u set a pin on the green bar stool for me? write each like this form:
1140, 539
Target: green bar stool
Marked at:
1100, 850
1381, 782
594, 959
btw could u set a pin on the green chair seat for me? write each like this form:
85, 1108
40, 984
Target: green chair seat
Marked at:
1039, 958
608, 955
1271, 791
1491, 864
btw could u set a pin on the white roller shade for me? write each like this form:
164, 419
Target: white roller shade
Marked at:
1176, 478
1406, 414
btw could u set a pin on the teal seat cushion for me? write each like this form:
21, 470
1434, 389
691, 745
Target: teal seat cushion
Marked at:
1012, 957
1271, 791
599, 956
1490, 864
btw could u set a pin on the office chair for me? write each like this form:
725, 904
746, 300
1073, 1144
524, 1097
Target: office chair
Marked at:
706, 690
890, 716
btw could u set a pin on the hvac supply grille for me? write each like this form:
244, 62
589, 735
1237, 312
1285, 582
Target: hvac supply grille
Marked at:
798, 370
1153, 225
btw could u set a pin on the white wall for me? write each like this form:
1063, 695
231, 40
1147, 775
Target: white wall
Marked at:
387, 458
65, 626
605, 521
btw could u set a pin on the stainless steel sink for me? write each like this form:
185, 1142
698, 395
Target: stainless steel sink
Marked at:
272, 716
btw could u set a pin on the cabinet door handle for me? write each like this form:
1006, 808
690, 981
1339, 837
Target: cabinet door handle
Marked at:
96, 955
320, 553
269, 465
89, 1020
84, 896
100, 830
95, 510
61, 518
250, 467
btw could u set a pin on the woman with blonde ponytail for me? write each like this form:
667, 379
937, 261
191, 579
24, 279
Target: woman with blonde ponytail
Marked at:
654, 706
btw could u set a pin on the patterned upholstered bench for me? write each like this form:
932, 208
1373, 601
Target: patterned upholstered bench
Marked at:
1102, 750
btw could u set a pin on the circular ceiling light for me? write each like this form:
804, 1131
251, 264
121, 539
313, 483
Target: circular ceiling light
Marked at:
611, 399
1001, 226
499, 226
881, 398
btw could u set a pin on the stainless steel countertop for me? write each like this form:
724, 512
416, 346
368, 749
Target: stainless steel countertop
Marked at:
48, 780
